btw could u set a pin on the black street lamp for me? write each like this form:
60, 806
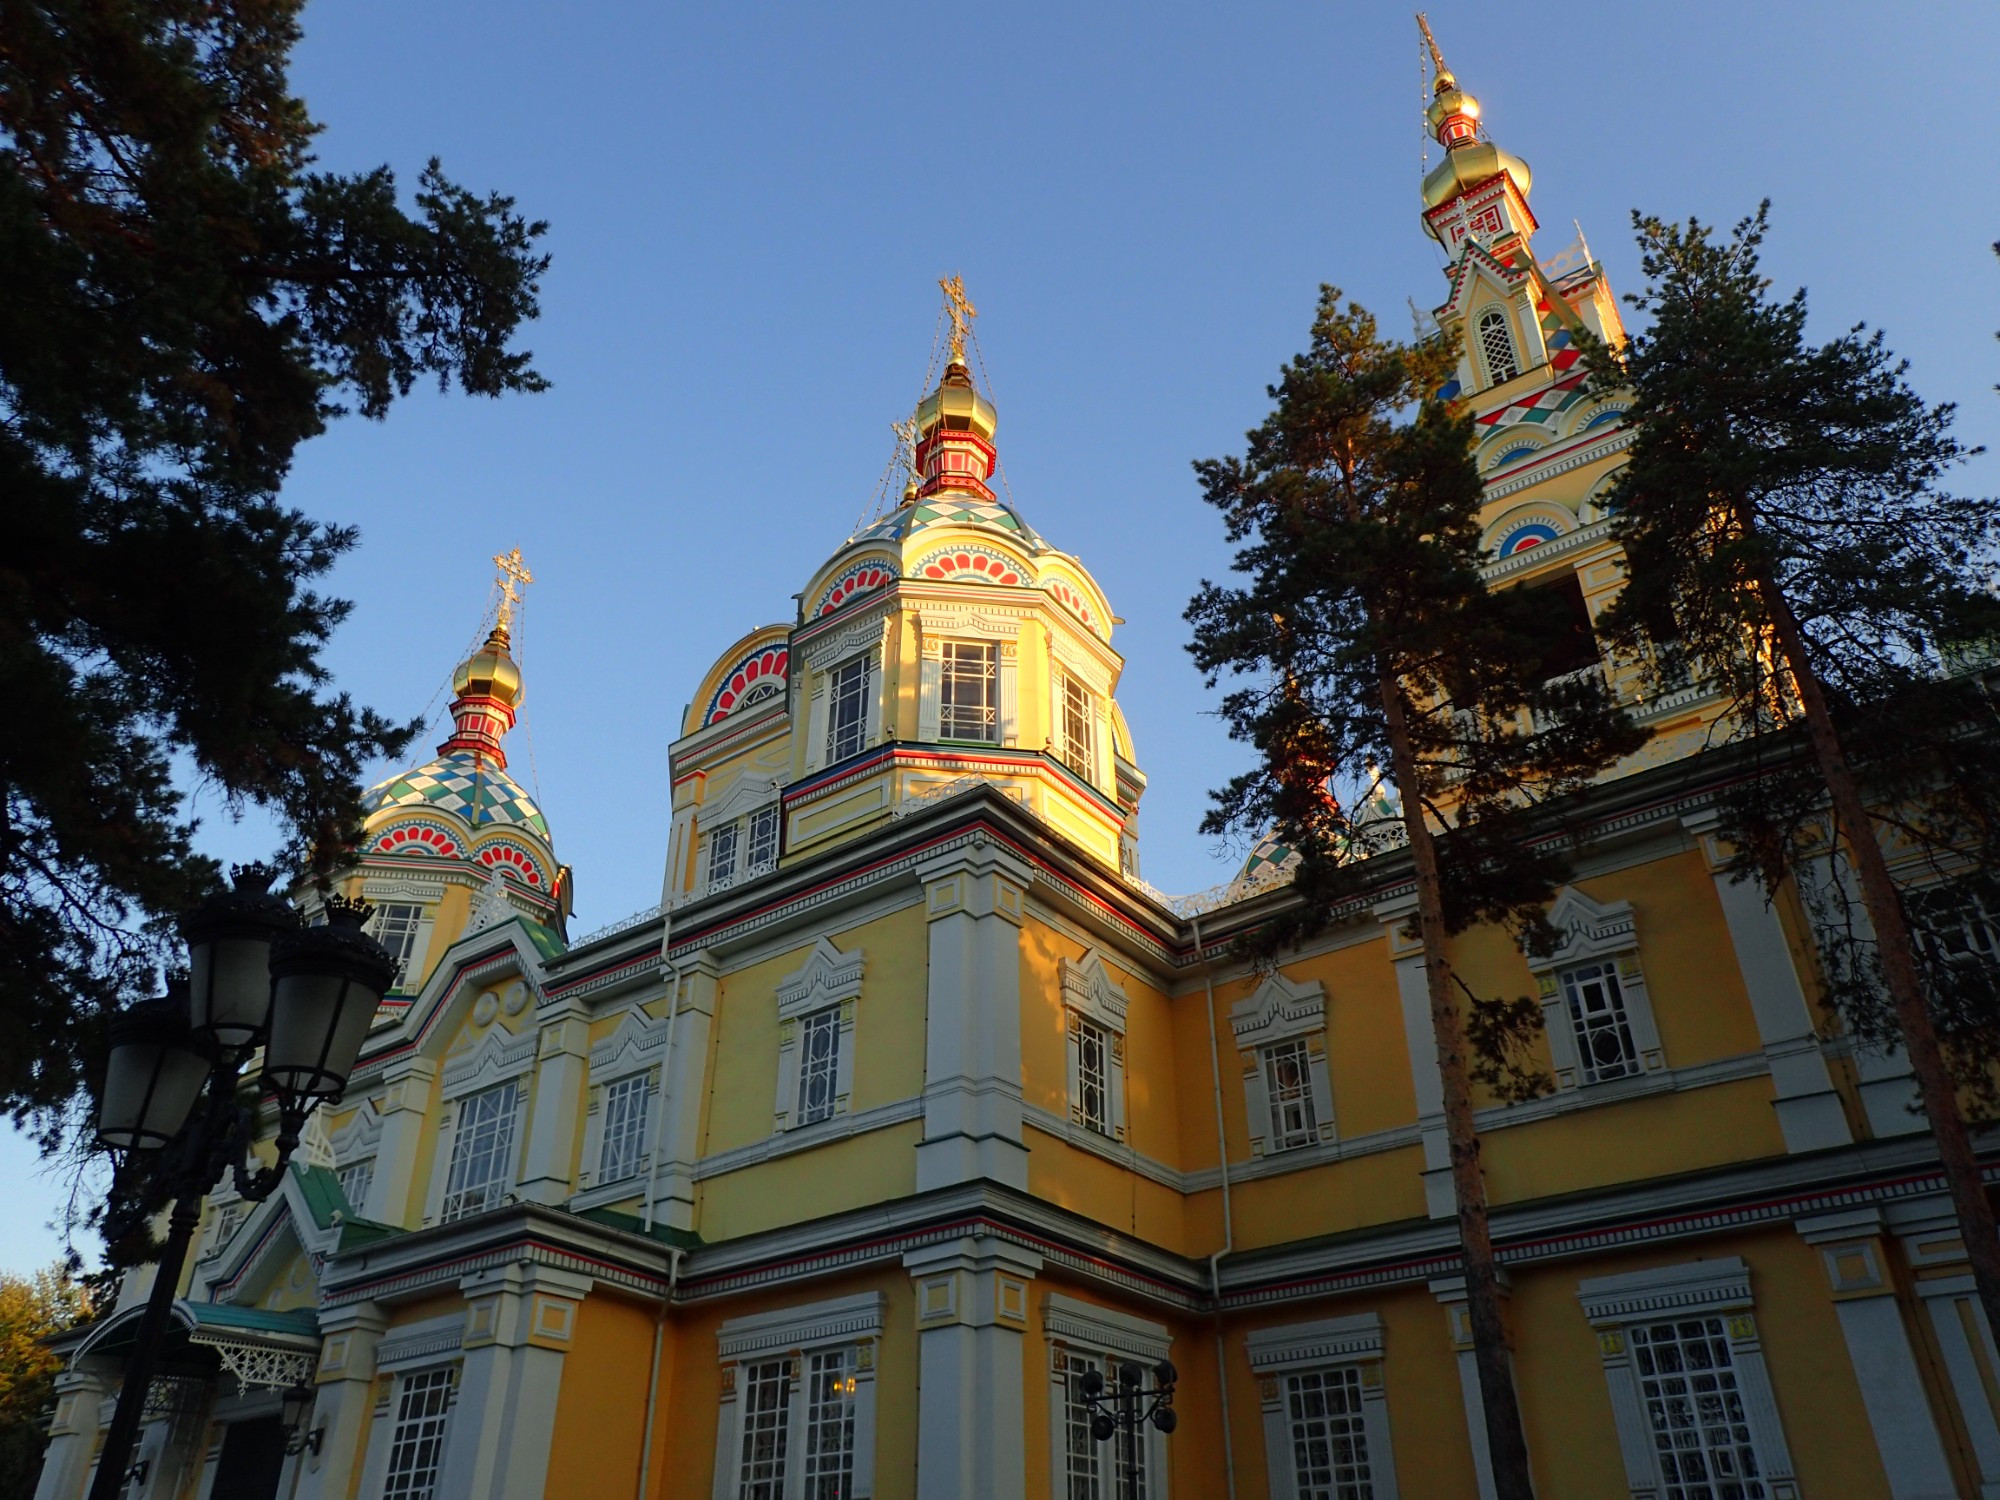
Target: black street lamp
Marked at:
1124, 1411
256, 978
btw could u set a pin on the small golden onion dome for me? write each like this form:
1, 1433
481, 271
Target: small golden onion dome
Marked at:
1449, 100
956, 406
489, 672
1466, 167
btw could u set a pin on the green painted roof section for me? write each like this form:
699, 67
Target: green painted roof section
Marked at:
680, 1239
300, 1320
548, 942
329, 1206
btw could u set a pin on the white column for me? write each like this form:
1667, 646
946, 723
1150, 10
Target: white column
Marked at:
972, 1054
519, 1321
561, 1067
1406, 954
403, 1107
72, 1436
1927, 1230
1450, 1291
1809, 1111
343, 1394
1899, 1412
972, 1313
691, 1012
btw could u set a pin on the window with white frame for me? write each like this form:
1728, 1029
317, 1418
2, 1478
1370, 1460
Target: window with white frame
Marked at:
797, 1415
1689, 1388
1095, 1009
397, 926
1084, 1337
969, 691
482, 1152
1326, 1422
847, 693
817, 1009
761, 848
1496, 344
1955, 927
1076, 740
1595, 1004
416, 1443
1280, 1031
722, 853
355, 1179
627, 1108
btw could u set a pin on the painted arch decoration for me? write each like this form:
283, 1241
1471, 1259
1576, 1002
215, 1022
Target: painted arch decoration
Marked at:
966, 564
757, 676
1527, 529
864, 577
418, 838
1073, 599
515, 859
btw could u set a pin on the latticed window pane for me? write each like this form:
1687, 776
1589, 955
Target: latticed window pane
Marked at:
829, 1433
766, 1406
416, 1444
1497, 344
819, 1064
355, 1179
625, 1112
847, 708
1093, 1077
1597, 1015
722, 852
1687, 1378
396, 926
1329, 1440
482, 1152
1077, 743
763, 839
969, 693
1114, 1469
1288, 1083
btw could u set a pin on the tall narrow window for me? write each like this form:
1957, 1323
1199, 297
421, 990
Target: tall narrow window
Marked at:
847, 708
829, 1435
1288, 1086
1076, 742
397, 924
763, 844
968, 692
1114, 1469
416, 1444
819, 1064
1604, 1045
1687, 1378
482, 1152
1497, 345
767, 1405
355, 1179
722, 853
1329, 1436
625, 1111
1093, 1076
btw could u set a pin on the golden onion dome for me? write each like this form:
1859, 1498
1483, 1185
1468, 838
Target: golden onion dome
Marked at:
956, 406
489, 672
1466, 167
1448, 102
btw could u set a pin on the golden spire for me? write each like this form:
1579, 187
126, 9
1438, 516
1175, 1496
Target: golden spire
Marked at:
1442, 74
512, 571
962, 313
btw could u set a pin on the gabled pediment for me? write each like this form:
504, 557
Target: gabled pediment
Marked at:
827, 977
1479, 268
497, 1056
1088, 987
637, 1042
1588, 929
1278, 1008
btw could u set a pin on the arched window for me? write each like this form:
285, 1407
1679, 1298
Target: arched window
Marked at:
1497, 345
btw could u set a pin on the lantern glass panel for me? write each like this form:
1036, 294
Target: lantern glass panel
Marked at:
318, 1023
150, 1085
229, 988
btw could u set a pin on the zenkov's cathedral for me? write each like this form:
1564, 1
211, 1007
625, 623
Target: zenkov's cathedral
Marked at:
837, 1173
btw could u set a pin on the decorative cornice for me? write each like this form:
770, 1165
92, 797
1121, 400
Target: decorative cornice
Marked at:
1702, 1284
840, 1320
1560, 463
1325, 1341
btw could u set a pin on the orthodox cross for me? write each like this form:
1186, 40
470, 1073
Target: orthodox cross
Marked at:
906, 445
962, 313
512, 571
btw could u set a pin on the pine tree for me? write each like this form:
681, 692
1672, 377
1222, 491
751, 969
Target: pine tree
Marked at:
1364, 637
1782, 516
187, 301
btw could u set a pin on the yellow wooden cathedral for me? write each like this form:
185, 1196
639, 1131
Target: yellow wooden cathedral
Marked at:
911, 1106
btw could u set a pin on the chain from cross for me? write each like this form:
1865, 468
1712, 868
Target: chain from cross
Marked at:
961, 310
512, 571
906, 445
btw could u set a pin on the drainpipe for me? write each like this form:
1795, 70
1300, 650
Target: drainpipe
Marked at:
1228, 1228
653, 1380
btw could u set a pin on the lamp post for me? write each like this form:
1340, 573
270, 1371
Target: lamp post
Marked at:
256, 977
1124, 1411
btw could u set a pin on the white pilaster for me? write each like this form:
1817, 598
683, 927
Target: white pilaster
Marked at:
519, 1321
1406, 955
972, 1054
560, 1072
343, 1394
972, 1314
404, 1104
1450, 1291
691, 1013
72, 1436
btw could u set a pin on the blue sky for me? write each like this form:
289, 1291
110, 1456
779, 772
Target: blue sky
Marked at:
750, 205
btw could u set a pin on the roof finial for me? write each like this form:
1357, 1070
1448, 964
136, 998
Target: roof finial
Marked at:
512, 571
962, 313
1440, 72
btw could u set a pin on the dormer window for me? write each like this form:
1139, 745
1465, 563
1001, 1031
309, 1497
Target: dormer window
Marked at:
398, 925
1496, 346
847, 688
1075, 743
968, 692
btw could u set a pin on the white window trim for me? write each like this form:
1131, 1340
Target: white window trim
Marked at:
637, 1045
842, 1322
426, 894
360, 1139
1330, 1343
1493, 376
1091, 994
1594, 933
828, 978
499, 1058
388, 1400
1279, 1010
1070, 1325
862, 638
1702, 1288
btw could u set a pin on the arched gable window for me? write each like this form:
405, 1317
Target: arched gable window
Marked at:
1496, 344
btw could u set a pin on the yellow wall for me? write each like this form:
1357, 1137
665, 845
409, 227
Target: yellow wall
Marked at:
601, 1410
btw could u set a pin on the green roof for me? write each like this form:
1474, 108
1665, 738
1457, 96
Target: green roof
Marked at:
680, 1239
329, 1206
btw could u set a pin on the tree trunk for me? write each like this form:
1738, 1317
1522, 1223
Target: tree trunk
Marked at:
1898, 955
1505, 1440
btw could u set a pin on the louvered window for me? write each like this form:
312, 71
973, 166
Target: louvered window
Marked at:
1497, 345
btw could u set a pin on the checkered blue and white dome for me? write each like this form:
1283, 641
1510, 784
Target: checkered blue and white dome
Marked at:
951, 509
465, 784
